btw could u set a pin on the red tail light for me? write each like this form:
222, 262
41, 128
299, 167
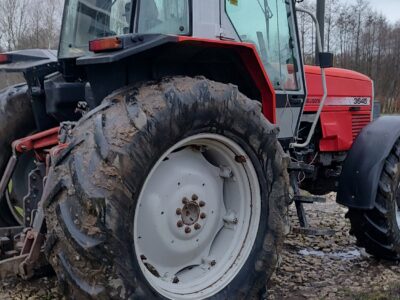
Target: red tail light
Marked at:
106, 44
4, 59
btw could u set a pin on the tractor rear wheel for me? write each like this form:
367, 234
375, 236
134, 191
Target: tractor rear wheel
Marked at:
16, 121
378, 230
171, 190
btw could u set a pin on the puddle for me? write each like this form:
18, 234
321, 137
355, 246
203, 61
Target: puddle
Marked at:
353, 254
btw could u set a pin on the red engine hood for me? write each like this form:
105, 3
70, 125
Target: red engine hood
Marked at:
347, 109
345, 87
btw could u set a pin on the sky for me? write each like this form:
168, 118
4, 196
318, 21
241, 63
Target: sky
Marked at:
390, 8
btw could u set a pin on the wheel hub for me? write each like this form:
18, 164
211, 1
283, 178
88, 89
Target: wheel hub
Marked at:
190, 213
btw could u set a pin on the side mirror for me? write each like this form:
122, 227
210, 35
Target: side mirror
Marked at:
325, 60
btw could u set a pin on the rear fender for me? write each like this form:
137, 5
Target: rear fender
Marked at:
363, 166
33, 59
35, 64
153, 56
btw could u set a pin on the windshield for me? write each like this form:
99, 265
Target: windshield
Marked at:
269, 25
85, 20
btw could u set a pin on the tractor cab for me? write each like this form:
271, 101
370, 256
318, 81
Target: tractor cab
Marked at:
269, 25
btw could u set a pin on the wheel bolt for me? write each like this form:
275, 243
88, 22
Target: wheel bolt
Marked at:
202, 204
203, 215
178, 211
185, 200
188, 230
195, 197
197, 226
179, 224
213, 263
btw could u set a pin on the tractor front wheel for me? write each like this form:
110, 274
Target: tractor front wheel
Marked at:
378, 230
172, 190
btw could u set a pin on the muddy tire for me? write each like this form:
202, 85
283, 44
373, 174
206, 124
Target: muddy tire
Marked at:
378, 230
99, 222
16, 121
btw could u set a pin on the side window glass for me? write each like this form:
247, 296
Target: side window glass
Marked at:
267, 24
164, 16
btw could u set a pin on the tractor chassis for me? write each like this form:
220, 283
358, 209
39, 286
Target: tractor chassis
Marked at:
21, 247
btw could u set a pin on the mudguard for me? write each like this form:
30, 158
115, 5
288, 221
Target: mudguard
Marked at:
185, 51
364, 163
26, 60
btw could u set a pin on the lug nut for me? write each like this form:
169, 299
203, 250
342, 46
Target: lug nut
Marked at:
203, 215
197, 226
185, 200
178, 211
195, 197
202, 204
188, 230
213, 263
179, 224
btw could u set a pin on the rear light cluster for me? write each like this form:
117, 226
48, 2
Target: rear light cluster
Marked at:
106, 44
4, 59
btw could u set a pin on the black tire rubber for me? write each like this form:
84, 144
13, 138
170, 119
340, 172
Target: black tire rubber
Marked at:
92, 189
377, 230
16, 121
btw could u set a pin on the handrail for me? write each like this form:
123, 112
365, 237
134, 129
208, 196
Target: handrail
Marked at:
324, 85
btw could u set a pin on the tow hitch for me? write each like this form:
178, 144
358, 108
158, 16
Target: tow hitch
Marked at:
21, 247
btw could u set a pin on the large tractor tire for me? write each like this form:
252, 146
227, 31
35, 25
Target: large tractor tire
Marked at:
16, 121
174, 190
378, 230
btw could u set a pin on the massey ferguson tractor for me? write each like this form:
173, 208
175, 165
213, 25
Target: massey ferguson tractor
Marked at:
156, 153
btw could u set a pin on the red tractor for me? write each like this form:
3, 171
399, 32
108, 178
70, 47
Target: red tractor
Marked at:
155, 155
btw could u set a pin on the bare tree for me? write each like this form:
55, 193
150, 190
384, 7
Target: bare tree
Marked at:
30, 23
13, 21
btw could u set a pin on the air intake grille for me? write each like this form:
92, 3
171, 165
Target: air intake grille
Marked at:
359, 122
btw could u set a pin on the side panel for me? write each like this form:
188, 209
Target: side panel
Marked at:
336, 132
363, 166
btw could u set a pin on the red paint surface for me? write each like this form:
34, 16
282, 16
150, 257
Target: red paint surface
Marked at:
340, 124
251, 60
4, 58
38, 142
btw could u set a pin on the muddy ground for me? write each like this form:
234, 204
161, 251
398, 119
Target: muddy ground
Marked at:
311, 267
331, 267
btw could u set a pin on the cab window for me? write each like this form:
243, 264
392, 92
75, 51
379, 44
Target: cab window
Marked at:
268, 24
163, 16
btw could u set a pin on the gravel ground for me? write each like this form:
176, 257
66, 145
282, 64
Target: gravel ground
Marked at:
331, 267
311, 267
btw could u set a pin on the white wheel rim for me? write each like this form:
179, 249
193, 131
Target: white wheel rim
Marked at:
219, 202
